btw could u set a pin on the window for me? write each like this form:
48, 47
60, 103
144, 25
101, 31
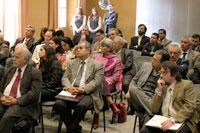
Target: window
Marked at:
62, 19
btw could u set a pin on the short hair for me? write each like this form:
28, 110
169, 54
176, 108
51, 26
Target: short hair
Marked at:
164, 31
108, 43
115, 30
68, 41
53, 32
26, 54
156, 34
121, 40
196, 36
174, 69
100, 31
85, 26
60, 33
189, 38
145, 28
175, 44
87, 45
164, 55
31, 27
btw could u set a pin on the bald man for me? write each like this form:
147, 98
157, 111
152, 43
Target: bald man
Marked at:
19, 91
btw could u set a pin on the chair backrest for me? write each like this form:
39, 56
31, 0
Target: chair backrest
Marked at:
197, 88
140, 60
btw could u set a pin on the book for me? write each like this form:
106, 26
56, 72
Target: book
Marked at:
156, 121
65, 95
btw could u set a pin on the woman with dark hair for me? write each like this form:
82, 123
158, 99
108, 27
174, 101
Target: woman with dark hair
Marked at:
78, 21
51, 73
112, 80
42, 35
94, 23
56, 45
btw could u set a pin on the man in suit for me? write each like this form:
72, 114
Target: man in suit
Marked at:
174, 51
2, 41
150, 48
89, 84
19, 91
144, 83
196, 42
84, 36
28, 40
126, 57
110, 19
162, 38
189, 54
137, 42
174, 98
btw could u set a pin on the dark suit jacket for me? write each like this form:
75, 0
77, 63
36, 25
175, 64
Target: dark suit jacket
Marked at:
196, 75
134, 42
77, 39
31, 44
30, 88
110, 19
183, 65
148, 48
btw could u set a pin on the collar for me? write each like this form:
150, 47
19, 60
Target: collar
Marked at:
86, 60
185, 52
171, 86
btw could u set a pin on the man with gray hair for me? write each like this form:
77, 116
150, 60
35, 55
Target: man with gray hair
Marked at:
174, 51
28, 40
2, 41
19, 91
189, 54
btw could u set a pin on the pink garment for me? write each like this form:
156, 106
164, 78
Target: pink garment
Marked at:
61, 58
112, 69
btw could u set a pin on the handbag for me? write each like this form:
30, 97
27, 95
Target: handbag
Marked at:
122, 115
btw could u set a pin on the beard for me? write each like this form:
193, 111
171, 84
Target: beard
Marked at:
141, 33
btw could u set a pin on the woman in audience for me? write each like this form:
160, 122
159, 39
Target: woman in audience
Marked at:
78, 21
56, 45
42, 35
51, 73
112, 80
67, 45
94, 23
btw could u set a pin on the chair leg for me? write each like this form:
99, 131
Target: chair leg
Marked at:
59, 125
92, 123
104, 121
121, 94
135, 124
41, 117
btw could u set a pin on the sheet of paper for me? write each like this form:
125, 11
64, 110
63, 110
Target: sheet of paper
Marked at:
66, 93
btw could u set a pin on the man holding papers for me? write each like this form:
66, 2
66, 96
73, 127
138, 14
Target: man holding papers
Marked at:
83, 76
174, 98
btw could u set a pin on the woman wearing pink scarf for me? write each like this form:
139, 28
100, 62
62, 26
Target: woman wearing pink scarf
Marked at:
112, 80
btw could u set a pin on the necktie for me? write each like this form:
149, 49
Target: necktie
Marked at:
184, 54
160, 41
79, 76
15, 85
26, 40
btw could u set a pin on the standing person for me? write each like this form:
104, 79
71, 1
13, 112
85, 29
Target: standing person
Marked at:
51, 73
19, 91
78, 21
110, 19
94, 23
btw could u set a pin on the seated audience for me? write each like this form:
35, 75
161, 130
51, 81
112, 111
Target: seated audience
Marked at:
126, 57
56, 45
28, 40
48, 35
100, 36
196, 42
19, 91
174, 98
162, 38
150, 48
112, 80
82, 76
113, 33
187, 53
51, 73
138, 42
196, 76
4, 49
60, 34
174, 51
84, 36
144, 83
42, 35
